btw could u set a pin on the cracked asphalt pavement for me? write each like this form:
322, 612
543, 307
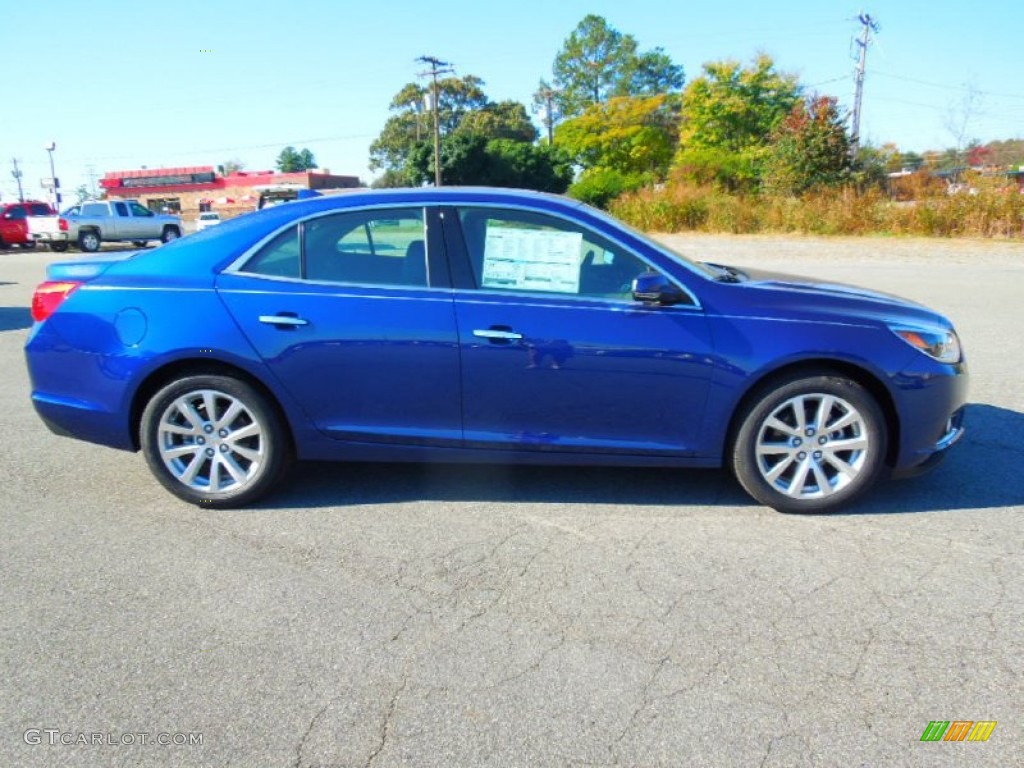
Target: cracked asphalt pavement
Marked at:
386, 615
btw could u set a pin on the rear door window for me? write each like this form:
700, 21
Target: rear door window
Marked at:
379, 247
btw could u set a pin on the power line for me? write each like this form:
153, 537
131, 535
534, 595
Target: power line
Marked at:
272, 145
827, 82
947, 86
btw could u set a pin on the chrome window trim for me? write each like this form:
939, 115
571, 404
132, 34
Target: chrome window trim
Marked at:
467, 296
333, 284
236, 266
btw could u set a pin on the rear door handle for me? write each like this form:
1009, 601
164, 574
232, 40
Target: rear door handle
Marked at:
290, 320
497, 335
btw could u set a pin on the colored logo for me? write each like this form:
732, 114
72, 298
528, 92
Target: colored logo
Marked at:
958, 730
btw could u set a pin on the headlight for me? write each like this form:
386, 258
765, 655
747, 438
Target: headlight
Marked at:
938, 343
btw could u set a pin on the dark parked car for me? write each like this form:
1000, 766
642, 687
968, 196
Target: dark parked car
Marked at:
488, 326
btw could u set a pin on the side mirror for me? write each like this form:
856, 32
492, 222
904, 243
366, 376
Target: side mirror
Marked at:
655, 288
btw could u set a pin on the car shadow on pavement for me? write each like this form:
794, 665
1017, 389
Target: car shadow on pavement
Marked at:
980, 472
15, 318
328, 485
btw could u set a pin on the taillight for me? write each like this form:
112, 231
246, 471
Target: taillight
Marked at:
50, 295
62, 224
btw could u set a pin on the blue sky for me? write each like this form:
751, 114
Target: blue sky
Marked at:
119, 85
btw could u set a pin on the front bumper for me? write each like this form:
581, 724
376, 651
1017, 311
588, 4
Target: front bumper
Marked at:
954, 431
931, 404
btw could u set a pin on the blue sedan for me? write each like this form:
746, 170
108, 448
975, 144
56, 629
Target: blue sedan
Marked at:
483, 325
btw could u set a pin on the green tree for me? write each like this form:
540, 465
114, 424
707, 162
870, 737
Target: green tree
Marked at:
81, 194
411, 122
501, 120
735, 108
911, 160
291, 160
474, 159
809, 148
631, 135
528, 166
231, 166
597, 62
729, 114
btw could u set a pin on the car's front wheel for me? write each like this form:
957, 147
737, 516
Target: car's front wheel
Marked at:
170, 233
810, 443
215, 441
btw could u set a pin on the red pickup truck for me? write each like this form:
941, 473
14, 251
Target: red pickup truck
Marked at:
14, 222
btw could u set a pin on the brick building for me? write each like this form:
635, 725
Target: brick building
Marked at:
186, 191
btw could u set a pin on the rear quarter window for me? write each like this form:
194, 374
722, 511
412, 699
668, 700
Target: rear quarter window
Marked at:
278, 258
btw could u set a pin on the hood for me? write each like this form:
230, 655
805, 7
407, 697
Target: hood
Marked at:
779, 280
762, 290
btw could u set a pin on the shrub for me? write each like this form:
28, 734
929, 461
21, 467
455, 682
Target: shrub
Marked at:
989, 211
599, 187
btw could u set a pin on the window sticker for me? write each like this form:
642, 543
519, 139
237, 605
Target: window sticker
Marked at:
532, 259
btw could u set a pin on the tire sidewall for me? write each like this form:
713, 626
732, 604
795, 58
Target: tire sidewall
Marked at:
744, 458
85, 238
277, 456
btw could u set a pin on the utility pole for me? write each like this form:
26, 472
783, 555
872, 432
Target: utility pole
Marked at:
437, 67
17, 174
91, 172
547, 95
868, 25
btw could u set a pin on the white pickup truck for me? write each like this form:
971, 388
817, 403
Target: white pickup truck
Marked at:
89, 224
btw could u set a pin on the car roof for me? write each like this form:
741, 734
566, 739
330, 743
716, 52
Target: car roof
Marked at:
192, 254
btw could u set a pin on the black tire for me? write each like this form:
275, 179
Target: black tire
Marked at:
170, 233
140, 243
89, 241
3, 246
194, 466
803, 469
58, 247
30, 245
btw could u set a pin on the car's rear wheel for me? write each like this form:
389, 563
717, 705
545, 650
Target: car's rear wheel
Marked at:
810, 443
215, 441
170, 233
89, 241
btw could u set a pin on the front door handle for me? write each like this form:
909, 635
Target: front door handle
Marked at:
290, 320
496, 334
